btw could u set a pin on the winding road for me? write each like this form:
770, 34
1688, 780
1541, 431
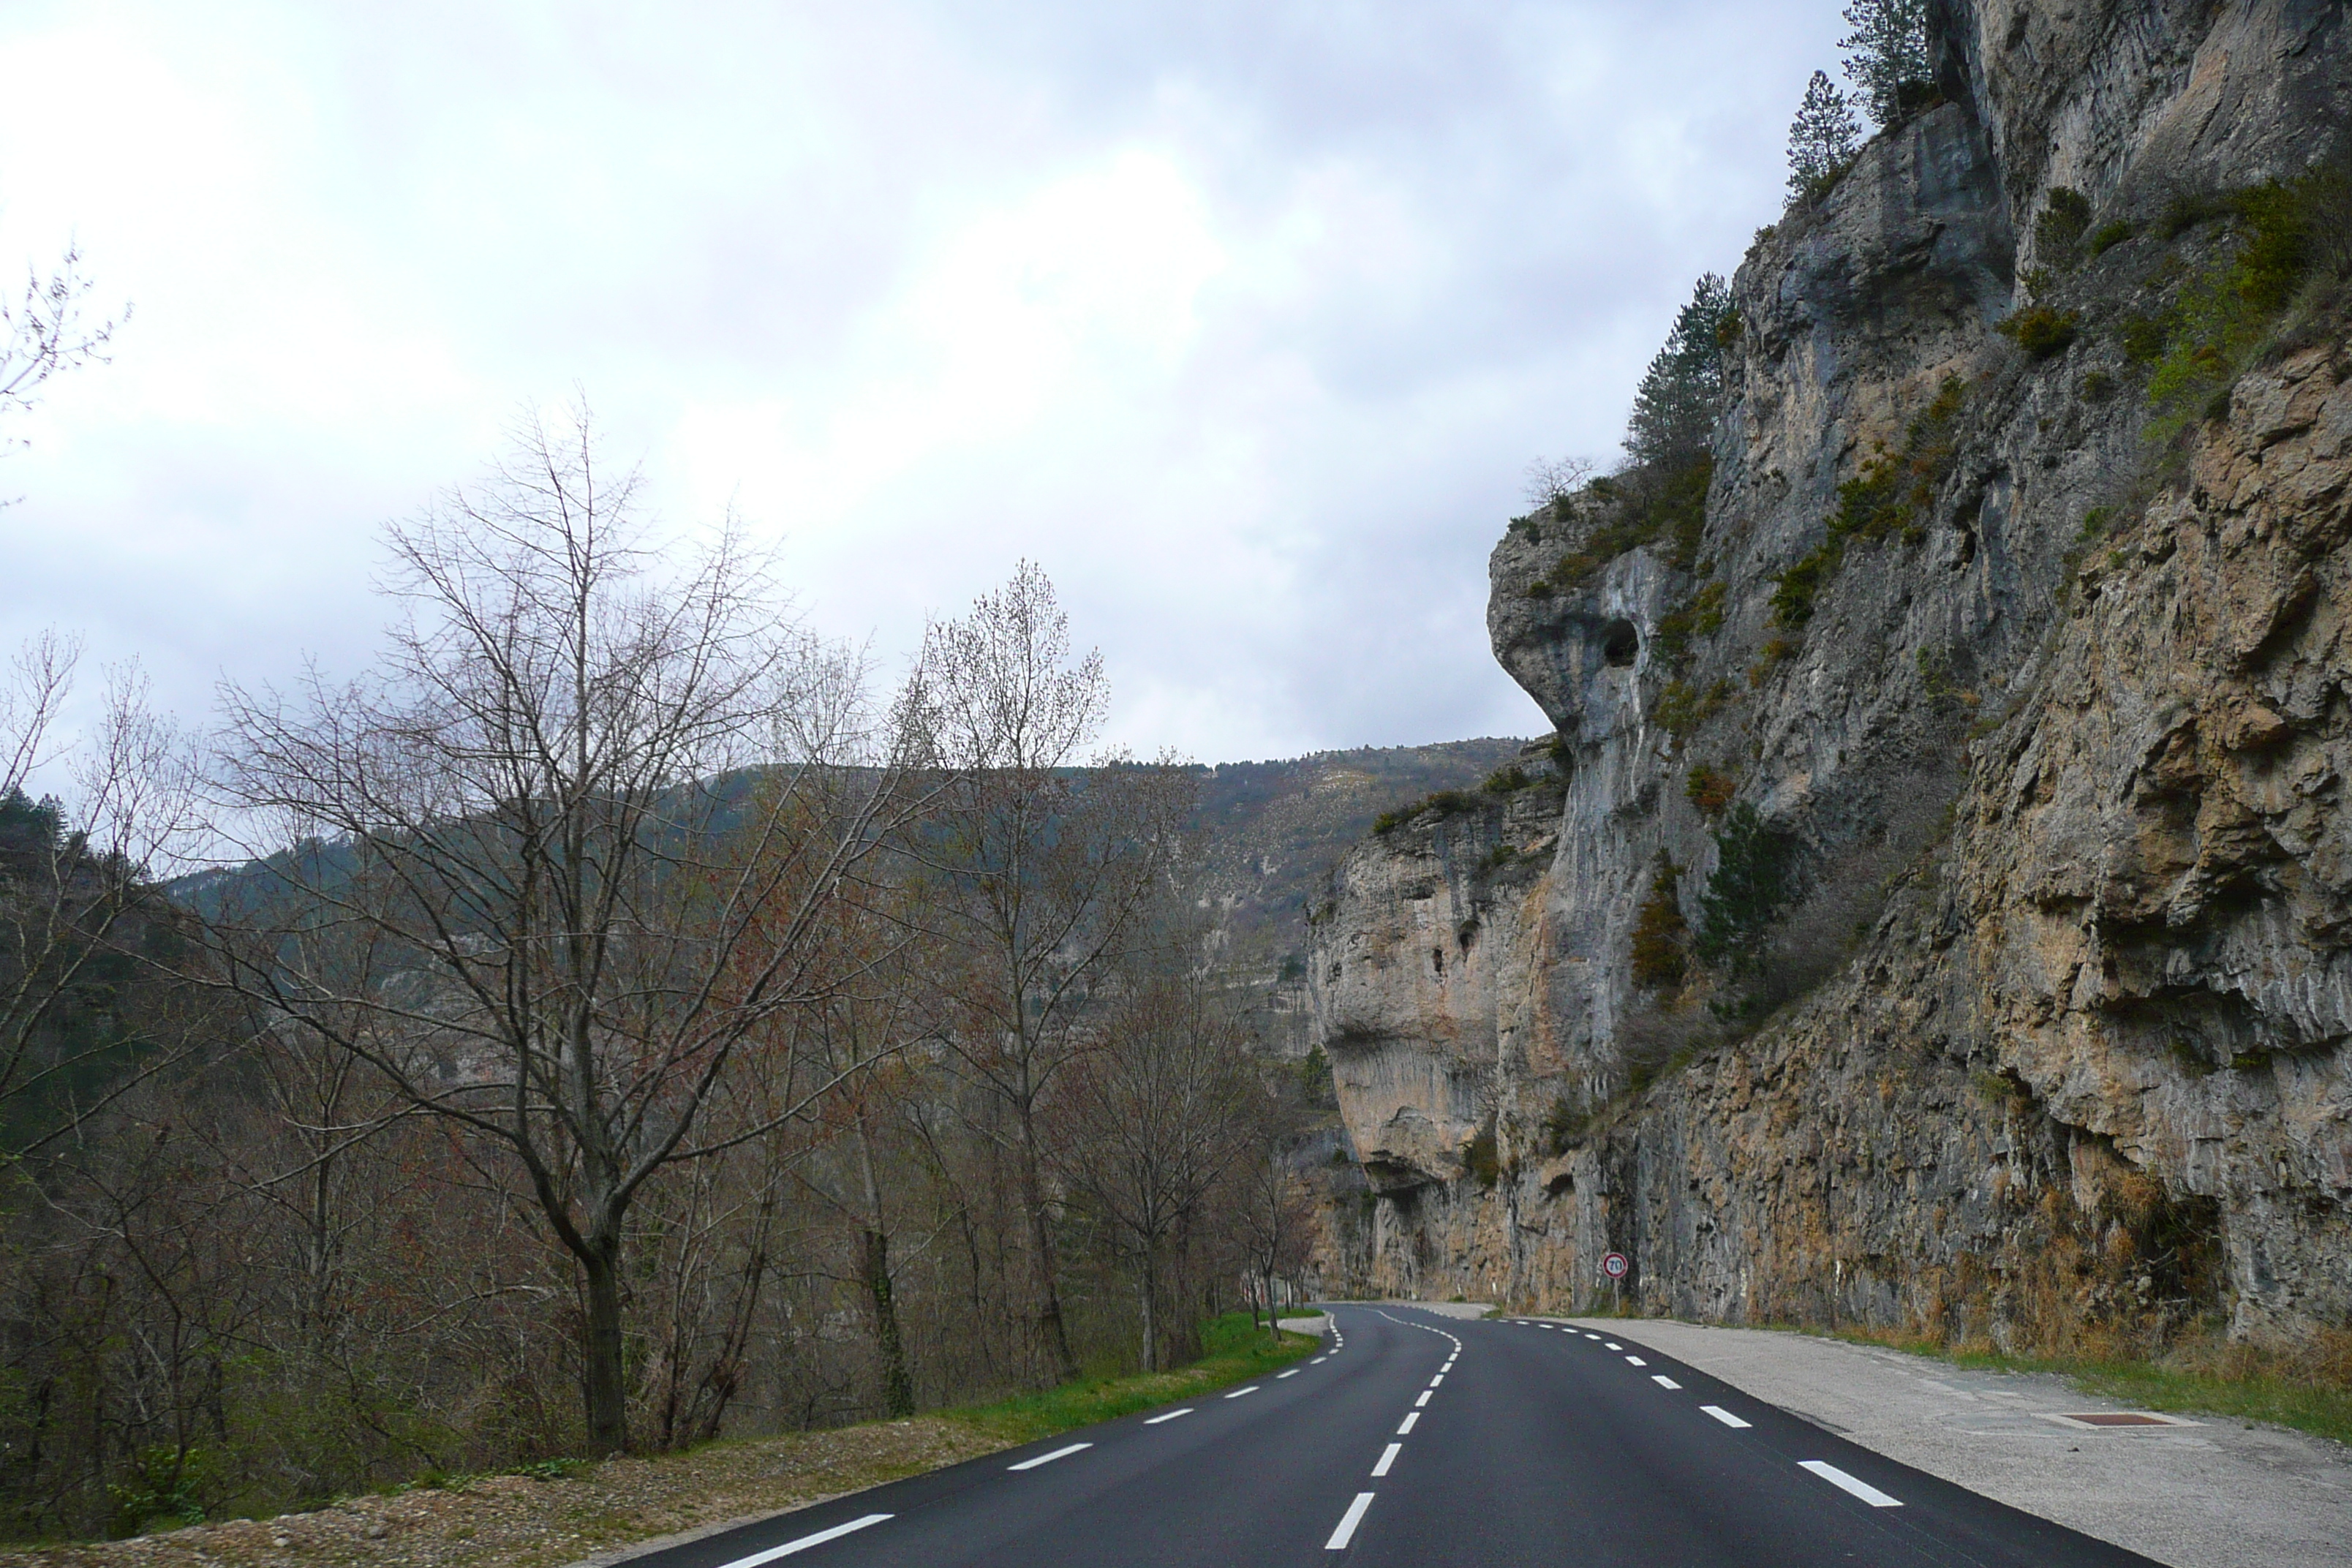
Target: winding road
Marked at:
1419, 1441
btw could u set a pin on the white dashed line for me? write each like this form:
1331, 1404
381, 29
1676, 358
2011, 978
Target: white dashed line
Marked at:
1348, 1523
1409, 1420
1843, 1482
1635, 1361
1387, 1460
1438, 1379
1156, 1420
806, 1541
1615, 1346
1594, 1338
1049, 1458
1280, 1375
1237, 1393
1662, 1381
1423, 1399
1319, 1361
1726, 1416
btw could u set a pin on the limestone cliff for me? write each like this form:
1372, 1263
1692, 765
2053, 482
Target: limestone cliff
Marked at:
2024, 652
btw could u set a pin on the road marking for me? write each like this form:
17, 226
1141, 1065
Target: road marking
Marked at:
806, 1541
1438, 1379
1387, 1458
1348, 1523
1726, 1416
1280, 1375
1156, 1420
1635, 1361
1843, 1482
1406, 1429
1615, 1346
1237, 1393
1319, 1361
1049, 1458
1662, 1381
1595, 1338
1423, 1399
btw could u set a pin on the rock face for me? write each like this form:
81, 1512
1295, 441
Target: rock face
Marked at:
2049, 1036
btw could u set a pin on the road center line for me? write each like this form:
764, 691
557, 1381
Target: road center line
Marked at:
1662, 1381
1319, 1361
1438, 1379
1237, 1393
1407, 1428
1423, 1399
1726, 1416
1635, 1361
806, 1541
1049, 1458
1843, 1482
1280, 1375
1348, 1523
1387, 1458
1156, 1420
1615, 1346
1595, 1338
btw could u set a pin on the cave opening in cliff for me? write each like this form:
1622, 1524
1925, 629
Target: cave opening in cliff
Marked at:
1619, 643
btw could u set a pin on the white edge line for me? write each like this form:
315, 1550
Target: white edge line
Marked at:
1049, 1458
1387, 1458
806, 1541
1348, 1523
1726, 1416
1408, 1423
1156, 1420
1845, 1483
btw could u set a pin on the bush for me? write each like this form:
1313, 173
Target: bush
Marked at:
2109, 235
1509, 779
1754, 881
1703, 617
1710, 790
2058, 232
1800, 584
1659, 959
1681, 707
2041, 331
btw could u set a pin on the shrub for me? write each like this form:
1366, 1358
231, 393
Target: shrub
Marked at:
2096, 387
1508, 779
2058, 232
1681, 707
2041, 331
1800, 584
1481, 1158
1659, 959
1753, 883
2108, 235
1703, 617
1710, 790
1775, 652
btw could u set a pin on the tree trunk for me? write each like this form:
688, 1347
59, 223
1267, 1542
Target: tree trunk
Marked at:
898, 1388
1041, 1239
608, 1395
1150, 1283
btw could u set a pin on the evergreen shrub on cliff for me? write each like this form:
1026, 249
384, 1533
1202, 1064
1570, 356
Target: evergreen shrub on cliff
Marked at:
1754, 883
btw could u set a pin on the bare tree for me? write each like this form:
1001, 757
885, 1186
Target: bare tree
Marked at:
1042, 873
78, 903
571, 847
46, 331
1155, 1116
1276, 1216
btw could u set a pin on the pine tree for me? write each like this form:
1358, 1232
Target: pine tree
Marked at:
1889, 57
1821, 138
1673, 411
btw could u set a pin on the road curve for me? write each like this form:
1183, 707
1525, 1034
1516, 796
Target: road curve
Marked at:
1415, 1442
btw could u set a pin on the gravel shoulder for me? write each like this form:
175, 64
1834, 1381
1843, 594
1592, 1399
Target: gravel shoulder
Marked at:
2214, 1493
603, 1513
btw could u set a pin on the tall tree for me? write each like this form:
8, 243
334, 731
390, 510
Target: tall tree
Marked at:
1042, 872
1887, 56
1822, 139
1675, 406
566, 850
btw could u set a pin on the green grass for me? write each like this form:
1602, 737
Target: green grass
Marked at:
1236, 1351
2199, 1380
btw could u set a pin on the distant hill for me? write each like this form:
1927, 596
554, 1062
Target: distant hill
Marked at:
1269, 833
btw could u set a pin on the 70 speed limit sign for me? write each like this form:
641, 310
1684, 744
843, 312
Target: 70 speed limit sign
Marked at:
1614, 1265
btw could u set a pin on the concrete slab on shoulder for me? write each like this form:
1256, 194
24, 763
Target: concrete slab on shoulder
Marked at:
2195, 1492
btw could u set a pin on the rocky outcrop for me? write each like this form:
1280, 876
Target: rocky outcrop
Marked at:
2041, 692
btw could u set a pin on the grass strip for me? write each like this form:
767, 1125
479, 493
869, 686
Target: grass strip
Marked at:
1235, 1351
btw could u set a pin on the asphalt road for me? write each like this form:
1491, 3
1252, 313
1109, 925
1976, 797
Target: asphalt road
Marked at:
1423, 1441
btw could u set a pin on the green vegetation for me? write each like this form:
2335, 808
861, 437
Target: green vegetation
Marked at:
1683, 707
1659, 955
1506, 779
2107, 236
1754, 881
1234, 1349
1703, 617
2041, 331
2058, 232
1483, 1158
1890, 495
1822, 140
2291, 245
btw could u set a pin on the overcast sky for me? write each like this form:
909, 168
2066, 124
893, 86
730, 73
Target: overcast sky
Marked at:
1243, 319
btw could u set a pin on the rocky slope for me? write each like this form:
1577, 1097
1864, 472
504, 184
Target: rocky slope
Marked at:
2018, 623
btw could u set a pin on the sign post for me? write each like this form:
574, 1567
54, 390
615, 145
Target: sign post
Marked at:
1614, 1265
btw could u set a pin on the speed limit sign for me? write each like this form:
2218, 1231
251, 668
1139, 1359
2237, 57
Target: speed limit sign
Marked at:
1614, 1265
